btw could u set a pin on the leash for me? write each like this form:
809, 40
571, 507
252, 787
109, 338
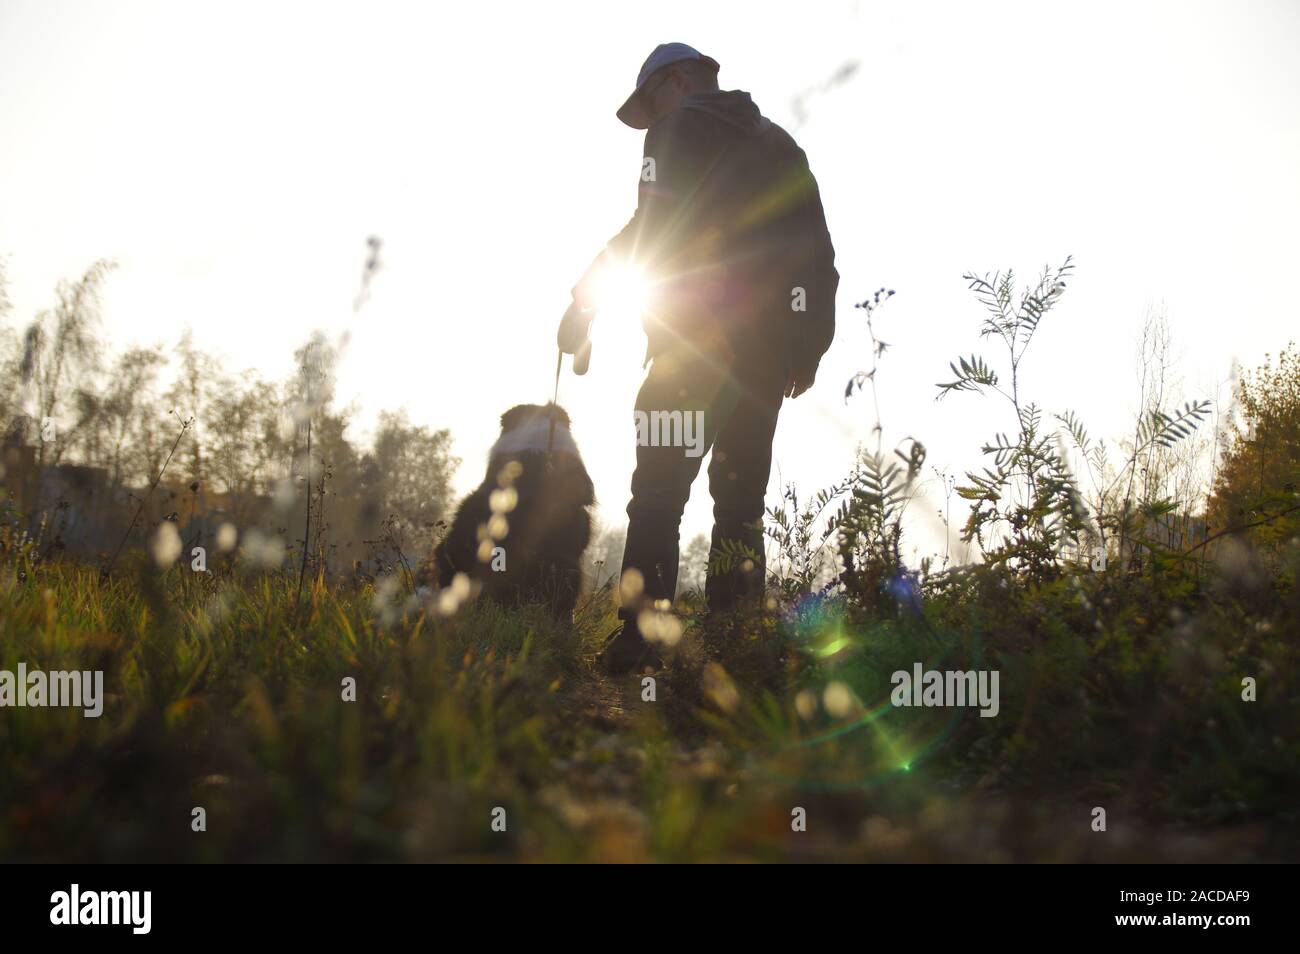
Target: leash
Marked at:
581, 356
550, 440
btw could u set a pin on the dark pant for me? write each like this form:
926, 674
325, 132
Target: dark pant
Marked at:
740, 396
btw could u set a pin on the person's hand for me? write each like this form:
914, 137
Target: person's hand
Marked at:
573, 329
800, 380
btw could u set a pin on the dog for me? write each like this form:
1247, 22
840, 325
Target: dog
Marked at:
521, 535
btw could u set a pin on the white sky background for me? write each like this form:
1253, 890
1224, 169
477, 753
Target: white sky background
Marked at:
234, 157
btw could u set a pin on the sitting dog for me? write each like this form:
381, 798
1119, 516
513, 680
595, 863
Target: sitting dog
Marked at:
522, 533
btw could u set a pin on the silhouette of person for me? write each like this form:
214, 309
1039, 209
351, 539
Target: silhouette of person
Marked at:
730, 233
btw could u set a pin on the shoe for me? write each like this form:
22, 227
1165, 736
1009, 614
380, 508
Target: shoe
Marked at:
627, 651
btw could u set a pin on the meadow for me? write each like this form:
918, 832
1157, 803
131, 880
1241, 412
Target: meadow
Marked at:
223, 693
277, 702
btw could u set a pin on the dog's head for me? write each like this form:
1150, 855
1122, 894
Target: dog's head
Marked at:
522, 415
535, 429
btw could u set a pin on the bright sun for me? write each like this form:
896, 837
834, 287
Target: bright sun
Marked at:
621, 292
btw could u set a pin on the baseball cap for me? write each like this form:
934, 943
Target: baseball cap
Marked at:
633, 111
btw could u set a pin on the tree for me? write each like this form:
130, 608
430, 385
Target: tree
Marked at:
128, 401
411, 468
240, 421
694, 565
1256, 490
58, 369
9, 361
605, 555
196, 375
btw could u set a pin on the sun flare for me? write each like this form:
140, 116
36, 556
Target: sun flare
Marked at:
621, 291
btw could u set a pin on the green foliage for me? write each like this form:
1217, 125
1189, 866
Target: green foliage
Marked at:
223, 690
255, 453
803, 542
1257, 492
1028, 509
972, 375
870, 525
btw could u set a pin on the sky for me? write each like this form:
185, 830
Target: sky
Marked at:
233, 158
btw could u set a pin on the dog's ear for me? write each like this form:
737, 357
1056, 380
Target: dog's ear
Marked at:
561, 416
514, 417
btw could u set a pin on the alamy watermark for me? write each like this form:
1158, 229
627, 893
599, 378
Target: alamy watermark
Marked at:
671, 429
80, 689
948, 688
102, 907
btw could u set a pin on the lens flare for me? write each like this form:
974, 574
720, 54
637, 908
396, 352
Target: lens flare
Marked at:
621, 291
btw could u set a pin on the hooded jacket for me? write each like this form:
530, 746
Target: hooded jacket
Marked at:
729, 228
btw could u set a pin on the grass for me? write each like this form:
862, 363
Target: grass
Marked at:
224, 693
